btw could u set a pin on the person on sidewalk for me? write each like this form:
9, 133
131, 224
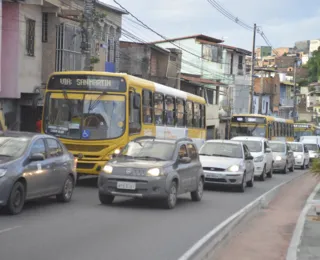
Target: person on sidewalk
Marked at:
38, 125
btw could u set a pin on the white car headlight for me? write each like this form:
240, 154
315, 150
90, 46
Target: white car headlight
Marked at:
259, 158
154, 172
233, 168
278, 158
3, 172
299, 156
107, 169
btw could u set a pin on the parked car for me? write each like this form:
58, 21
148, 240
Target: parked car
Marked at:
282, 156
148, 167
301, 154
227, 163
313, 150
260, 150
34, 166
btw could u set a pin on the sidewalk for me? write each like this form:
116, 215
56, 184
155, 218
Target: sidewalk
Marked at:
305, 243
267, 236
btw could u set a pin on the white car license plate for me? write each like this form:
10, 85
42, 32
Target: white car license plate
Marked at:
213, 175
126, 185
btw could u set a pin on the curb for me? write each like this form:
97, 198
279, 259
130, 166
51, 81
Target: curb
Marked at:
205, 247
296, 238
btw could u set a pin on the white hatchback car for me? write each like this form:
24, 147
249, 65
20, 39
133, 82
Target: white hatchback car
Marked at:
262, 153
228, 163
301, 154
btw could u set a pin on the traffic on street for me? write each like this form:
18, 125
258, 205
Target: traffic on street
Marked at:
129, 229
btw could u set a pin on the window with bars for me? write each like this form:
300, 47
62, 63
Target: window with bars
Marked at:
44, 27
30, 36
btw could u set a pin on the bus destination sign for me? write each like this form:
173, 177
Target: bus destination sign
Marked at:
248, 119
87, 82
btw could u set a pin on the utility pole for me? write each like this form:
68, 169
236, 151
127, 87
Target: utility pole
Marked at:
294, 91
89, 6
252, 68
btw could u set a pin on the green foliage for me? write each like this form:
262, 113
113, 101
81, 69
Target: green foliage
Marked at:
285, 54
315, 168
303, 121
94, 60
303, 82
314, 66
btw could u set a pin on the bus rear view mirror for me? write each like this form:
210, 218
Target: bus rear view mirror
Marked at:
136, 101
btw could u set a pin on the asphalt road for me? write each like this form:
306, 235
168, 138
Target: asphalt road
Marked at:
127, 230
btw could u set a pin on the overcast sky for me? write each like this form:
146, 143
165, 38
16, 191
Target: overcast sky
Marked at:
283, 21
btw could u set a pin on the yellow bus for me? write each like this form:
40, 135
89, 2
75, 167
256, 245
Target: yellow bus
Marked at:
304, 129
272, 128
95, 114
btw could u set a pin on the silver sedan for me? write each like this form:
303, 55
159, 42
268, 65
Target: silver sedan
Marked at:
227, 163
282, 156
34, 166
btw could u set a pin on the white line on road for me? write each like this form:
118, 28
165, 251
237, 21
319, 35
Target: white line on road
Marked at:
8, 229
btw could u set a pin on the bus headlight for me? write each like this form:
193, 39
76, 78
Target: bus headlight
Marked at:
116, 151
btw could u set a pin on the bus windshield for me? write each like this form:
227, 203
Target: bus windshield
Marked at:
254, 130
85, 116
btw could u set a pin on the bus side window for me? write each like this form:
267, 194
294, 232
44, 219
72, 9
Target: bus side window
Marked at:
203, 116
135, 113
147, 106
180, 112
158, 108
196, 115
170, 108
189, 110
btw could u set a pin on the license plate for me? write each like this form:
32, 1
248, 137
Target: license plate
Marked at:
126, 185
214, 176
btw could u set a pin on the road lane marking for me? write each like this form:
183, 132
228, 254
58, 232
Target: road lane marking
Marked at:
8, 229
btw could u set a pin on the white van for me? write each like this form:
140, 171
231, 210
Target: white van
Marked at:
262, 153
311, 139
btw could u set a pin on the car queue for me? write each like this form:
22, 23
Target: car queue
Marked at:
38, 165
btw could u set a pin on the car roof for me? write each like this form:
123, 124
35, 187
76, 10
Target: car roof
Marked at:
163, 140
250, 138
223, 141
277, 142
18, 134
295, 143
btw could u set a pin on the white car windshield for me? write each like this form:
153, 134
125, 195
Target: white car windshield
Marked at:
254, 146
221, 150
277, 147
296, 147
312, 147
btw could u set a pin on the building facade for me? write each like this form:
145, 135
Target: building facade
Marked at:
40, 37
218, 69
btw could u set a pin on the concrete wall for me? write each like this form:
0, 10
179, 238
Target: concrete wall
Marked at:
30, 67
10, 50
190, 64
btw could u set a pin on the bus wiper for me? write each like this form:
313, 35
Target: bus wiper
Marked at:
65, 95
255, 127
94, 104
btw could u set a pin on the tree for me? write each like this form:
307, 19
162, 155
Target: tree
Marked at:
314, 66
315, 169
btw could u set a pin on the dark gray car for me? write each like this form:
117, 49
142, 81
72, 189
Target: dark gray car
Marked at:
33, 166
153, 168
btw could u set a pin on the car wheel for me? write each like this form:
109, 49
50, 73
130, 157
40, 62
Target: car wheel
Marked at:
291, 169
171, 200
285, 169
263, 174
251, 182
242, 186
16, 199
67, 190
197, 194
270, 174
106, 199
304, 165
308, 165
